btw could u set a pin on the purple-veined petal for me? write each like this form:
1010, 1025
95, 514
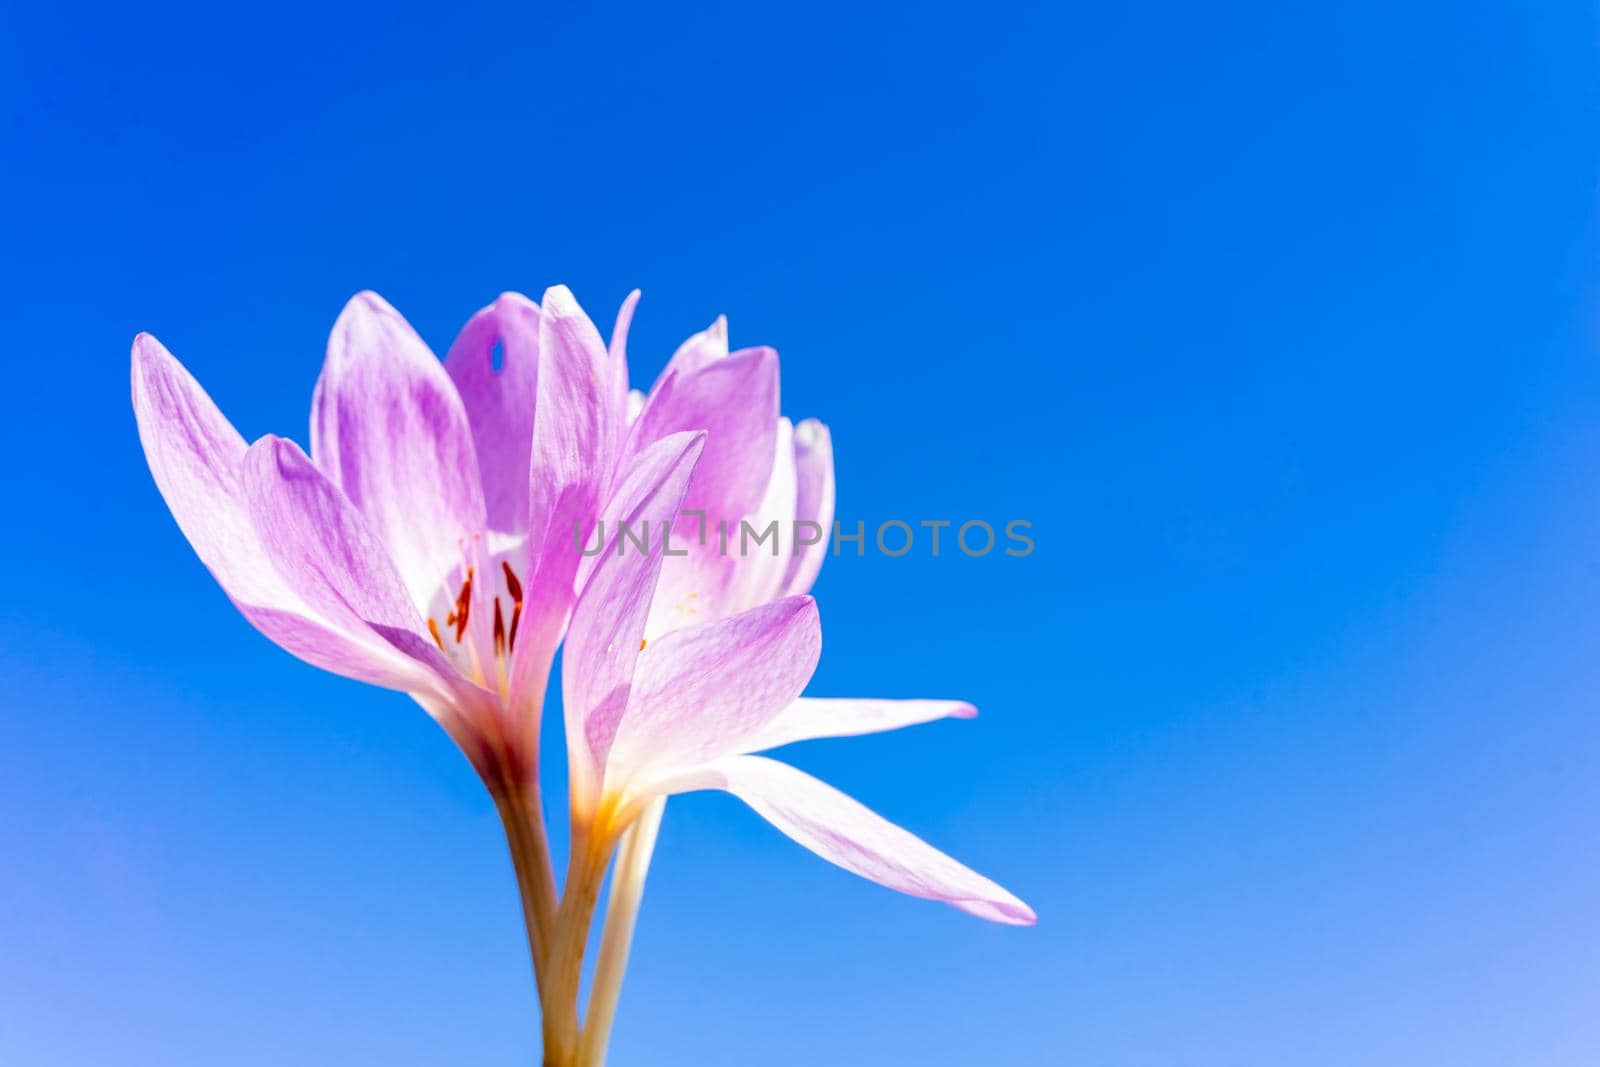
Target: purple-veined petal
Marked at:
704, 692
499, 402
196, 457
761, 569
575, 426
328, 553
845, 832
813, 461
619, 358
609, 619
707, 346
720, 575
719, 578
735, 400
809, 718
575, 435
389, 429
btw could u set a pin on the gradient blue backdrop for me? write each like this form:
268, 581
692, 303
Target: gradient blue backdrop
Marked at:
1276, 321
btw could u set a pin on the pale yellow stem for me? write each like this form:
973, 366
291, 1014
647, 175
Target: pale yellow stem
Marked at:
622, 913
522, 815
586, 869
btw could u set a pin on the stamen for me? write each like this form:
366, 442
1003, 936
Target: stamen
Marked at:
433, 628
642, 641
513, 587
463, 607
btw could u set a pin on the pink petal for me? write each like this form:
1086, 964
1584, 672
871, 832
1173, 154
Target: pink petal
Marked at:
389, 429
735, 400
813, 459
711, 575
704, 692
197, 457
328, 553
608, 621
575, 430
619, 357
707, 346
499, 403
844, 832
575, 427
809, 718
714, 580
761, 571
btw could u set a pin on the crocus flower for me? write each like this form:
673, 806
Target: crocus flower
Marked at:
686, 712
431, 543
427, 543
758, 513
648, 717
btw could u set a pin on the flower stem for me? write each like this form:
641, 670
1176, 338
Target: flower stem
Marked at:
586, 870
622, 913
522, 814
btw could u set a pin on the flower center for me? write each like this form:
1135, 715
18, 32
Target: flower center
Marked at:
475, 614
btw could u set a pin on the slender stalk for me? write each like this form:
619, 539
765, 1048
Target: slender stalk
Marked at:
622, 914
522, 814
586, 870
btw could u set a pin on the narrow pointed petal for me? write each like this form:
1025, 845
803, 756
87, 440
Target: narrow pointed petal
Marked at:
575, 433
762, 571
809, 718
712, 580
328, 553
389, 429
575, 429
704, 692
845, 832
813, 460
499, 401
197, 459
707, 346
735, 400
609, 619
619, 357
194, 454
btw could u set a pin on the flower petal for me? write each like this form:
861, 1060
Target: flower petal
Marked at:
575, 429
197, 457
704, 692
845, 832
389, 429
718, 575
328, 553
707, 346
735, 400
619, 357
809, 718
608, 622
813, 460
499, 401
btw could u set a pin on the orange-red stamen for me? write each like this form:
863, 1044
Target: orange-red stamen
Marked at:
513, 587
463, 608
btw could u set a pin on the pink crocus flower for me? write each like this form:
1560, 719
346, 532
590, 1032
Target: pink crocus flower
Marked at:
426, 543
678, 668
430, 543
761, 478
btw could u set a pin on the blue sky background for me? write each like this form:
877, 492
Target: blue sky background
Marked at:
1278, 322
